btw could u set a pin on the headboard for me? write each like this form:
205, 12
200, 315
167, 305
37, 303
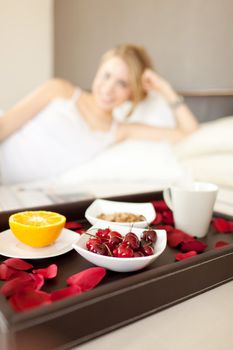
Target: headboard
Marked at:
209, 104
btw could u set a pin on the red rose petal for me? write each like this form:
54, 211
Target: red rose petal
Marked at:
160, 205
81, 231
18, 273
38, 281
222, 225
195, 245
88, 278
73, 225
177, 237
18, 264
6, 272
15, 285
182, 256
66, 292
168, 217
28, 299
157, 219
48, 272
220, 244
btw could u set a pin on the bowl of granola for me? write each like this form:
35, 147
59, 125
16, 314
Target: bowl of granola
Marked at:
122, 213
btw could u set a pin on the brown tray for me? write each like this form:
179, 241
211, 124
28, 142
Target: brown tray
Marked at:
120, 298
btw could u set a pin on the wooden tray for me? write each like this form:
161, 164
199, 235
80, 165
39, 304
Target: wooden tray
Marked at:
119, 300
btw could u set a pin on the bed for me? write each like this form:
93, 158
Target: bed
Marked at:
141, 166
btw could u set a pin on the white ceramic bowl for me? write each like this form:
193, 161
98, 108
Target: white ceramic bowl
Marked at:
109, 207
120, 264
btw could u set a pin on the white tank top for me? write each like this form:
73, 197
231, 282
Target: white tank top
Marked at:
54, 141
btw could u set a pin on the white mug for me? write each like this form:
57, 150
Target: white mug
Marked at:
192, 206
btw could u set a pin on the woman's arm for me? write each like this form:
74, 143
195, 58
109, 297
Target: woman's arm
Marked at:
25, 110
186, 122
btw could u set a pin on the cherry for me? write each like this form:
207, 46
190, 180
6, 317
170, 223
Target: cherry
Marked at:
149, 235
147, 250
138, 254
98, 248
114, 234
123, 251
115, 252
103, 233
132, 240
92, 241
113, 242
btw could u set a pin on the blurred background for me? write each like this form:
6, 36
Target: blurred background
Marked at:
190, 41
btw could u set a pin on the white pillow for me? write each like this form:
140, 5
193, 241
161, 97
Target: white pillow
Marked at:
211, 137
153, 110
216, 168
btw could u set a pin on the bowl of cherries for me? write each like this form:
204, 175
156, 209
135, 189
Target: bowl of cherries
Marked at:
121, 248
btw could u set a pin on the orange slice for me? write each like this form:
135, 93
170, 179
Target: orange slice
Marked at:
37, 228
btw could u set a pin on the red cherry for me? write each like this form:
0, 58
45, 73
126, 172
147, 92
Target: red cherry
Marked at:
115, 252
124, 251
92, 241
149, 235
113, 242
147, 250
114, 234
103, 233
99, 248
132, 240
138, 254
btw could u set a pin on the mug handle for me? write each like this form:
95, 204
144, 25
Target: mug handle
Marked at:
167, 197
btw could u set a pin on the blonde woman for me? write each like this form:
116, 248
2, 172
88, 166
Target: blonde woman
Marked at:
60, 126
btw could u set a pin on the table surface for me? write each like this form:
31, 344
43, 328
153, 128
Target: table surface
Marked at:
204, 322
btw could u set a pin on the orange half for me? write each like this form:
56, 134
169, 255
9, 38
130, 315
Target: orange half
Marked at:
37, 228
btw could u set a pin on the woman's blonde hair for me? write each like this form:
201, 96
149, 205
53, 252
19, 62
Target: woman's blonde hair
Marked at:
137, 60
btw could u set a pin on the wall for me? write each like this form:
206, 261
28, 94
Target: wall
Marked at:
26, 52
190, 40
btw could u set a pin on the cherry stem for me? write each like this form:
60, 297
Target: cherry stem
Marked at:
109, 251
89, 234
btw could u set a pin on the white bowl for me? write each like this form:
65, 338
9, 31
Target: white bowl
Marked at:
109, 207
120, 264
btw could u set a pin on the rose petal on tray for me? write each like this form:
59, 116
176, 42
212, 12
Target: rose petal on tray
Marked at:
176, 237
195, 245
73, 225
182, 256
168, 217
80, 231
27, 280
88, 278
220, 244
160, 205
65, 292
48, 272
15, 285
158, 219
38, 280
18, 264
28, 299
18, 273
6, 272
222, 226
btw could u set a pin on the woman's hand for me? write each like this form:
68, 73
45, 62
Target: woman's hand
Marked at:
152, 81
